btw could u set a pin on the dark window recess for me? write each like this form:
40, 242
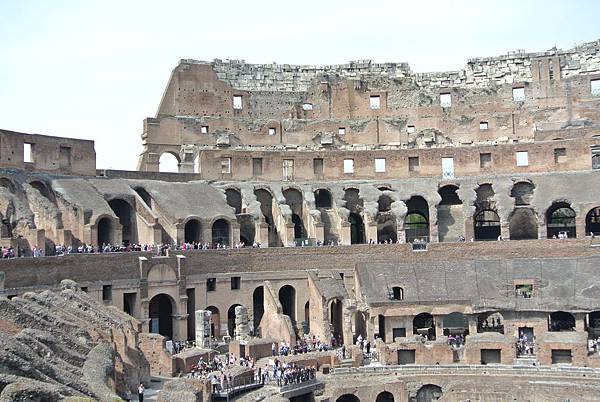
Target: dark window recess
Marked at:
399, 332
561, 356
106, 292
129, 302
560, 155
257, 166
406, 357
318, 166
485, 160
84, 289
413, 163
211, 284
235, 282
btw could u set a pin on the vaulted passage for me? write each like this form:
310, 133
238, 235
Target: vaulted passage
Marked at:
231, 320
220, 232
523, 224
416, 222
357, 228
266, 208
592, 221
192, 232
287, 298
126, 215
161, 315
385, 397
104, 231
428, 393
336, 318
234, 199
348, 398
486, 220
258, 308
423, 324
215, 321
560, 221
293, 198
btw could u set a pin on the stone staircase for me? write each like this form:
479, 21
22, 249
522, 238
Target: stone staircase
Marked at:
346, 363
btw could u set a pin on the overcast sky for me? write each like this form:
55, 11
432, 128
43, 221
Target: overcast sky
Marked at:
96, 69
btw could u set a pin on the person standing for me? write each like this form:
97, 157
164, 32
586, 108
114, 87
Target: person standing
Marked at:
141, 390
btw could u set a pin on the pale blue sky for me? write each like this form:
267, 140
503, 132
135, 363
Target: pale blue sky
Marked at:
95, 69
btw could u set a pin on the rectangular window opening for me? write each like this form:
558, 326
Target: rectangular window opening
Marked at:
237, 102
257, 166
596, 158
272, 131
595, 87
519, 94
445, 100
28, 152
562, 356
560, 155
226, 165
380, 165
375, 101
288, 169
413, 163
483, 125
211, 284
485, 160
522, 158
307, 106
447, 168
318, 166
341, 131
348, 165
398, 333
491, 356
406, 357
410, 129
236, 282
204, 130
524, 290
106, 292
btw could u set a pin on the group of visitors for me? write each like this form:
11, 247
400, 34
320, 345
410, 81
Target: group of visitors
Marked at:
525, 345
8, 252
291, 373
303, 345
594, 345
456, 341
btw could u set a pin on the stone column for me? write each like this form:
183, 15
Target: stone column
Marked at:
580, 322
439, 326
542, 229
472, 324
202, 328
180, 327
242, 329
235, 234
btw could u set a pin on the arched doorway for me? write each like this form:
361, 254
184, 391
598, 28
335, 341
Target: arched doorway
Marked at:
126, 214
192, 232
258, 308
287, 298
220, 232
104, 228
231, 320
215, 322
234, 199
560, 218
336, 316
487, 225
168, 163
385, 397
357, 229
348, 398
423, 324
416, 222
429, 393
522, 224
161, 315
592, 221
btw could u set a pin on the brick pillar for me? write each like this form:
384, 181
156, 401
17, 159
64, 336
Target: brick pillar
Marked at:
345, 236
370, 231
262, 234
320, 231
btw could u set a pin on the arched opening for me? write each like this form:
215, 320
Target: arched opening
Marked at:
357, 229
161, 315
258, 307
592, 221
43, 190
455, 324
416, 222
423, 324
126, 214
307, 317
522, 192
490, 322
231, 320
429, 393
450, 215
192, 232
234, 199
215, 322
561, 321
168, 163
144, 195
322, 198
336, 318
7, 184
560, 221
348, 398
487, 225
220, 232
293, 199
594, 325
397, 293
385, 397
522, 224
287, 298
104, 228
266, 208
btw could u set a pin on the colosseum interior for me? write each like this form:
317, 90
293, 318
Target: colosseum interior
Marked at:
381, 235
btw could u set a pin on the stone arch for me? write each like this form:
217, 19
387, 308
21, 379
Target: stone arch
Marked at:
293, 198
450, 214
258, 307
221, 232
8, 184
192, 231
592, 221
560, 217
348, 398
234, 199
265, 199
169, 162
561, 321
161, 273
105, 231
43, 189
336, 318
385, 396
127, 218
486, 225
231, 320
429, 393
397, 293
424, 324
455, 323
357, 228
523, 224
522, 192
161, 309
416, 222
386, 220
287, 298
490, 322
215, 324
322, 198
